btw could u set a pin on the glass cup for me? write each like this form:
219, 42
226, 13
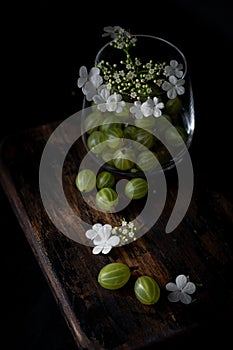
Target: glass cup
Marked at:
173, 131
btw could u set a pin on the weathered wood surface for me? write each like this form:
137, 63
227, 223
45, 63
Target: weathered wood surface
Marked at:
201, 247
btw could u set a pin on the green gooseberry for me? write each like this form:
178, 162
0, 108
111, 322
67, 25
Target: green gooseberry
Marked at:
130, 132
173, 106
147, 160
95, 141
145, 138
145, 123
114, 275
85, 180
106, 198
105, 179
147, 290
136, 188
113, 136
124, 158
175, 136
109, 121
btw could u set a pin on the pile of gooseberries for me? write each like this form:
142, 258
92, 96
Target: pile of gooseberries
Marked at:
109, 137
104, 182
126, 145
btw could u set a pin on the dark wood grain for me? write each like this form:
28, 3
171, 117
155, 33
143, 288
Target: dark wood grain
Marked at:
201, 247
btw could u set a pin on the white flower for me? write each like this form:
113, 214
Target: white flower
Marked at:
174, 69
181, 290
152, 107
89, 82
101, 98
136, 110
115, 103
147, 108
112, 31
173, 87
91, 86
103, 241
84, 76
157, 107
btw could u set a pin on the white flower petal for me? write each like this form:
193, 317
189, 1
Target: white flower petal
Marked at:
179, 66
91, 234
108, 29
173, 63
190, 288
89, 90
97, 227
180, 82
157, 112
166, 86
112, 98
104, 92
173, 80
168, 70
107, 230
120, 106
106, 249
185, 298
171, 93
81, 81
137, 104
155, 100
96, 80
171, 287
179, 73
111, 106
160, 105
113, 241
181, 281
94, 71
102, 107
83, 76
133, 110
98, 99
174, 296
180, 90
83, 72
97, 249
112, 31
139, 115
147, 112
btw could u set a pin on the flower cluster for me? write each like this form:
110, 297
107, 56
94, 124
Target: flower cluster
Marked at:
105, 236
145, 84
126, 232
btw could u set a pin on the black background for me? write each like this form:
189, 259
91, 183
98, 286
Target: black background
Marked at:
43, 46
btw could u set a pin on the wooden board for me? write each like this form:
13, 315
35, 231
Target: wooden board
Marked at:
200, 247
